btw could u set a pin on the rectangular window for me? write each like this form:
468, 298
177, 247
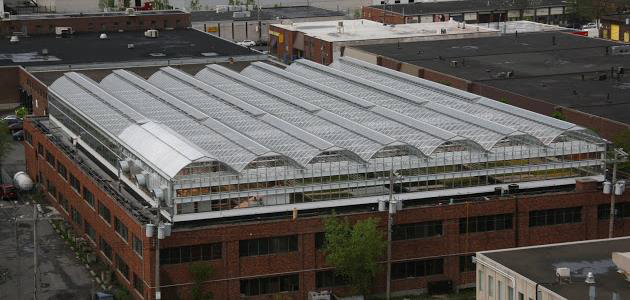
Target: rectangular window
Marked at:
264, 246
270, 285
76, 216
137, 245
466, 263
521, 296
104, 212
490, 286
61, 169
63, 201
28, 137
184, 254
138, 284
121, 229
480, 280
510, 293
106, 248
500, 290
320, 240
555, 216
52, 189
122, 266
88, 196
40, 149
416, 230
485, 223
89, 231
622, 210
74, 182
417, 268
328, 279
50, 159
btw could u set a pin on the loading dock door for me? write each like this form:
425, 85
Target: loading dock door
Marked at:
626, 37
614, 32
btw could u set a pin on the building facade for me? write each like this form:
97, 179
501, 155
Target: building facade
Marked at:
615, 28
106, 153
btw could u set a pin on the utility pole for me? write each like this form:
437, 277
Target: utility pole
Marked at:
35, 266
393, 206
158, 294
618, 156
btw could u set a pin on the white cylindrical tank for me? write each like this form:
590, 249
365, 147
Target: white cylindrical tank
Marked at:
620, 186
149, 228
607, 187
161, 232
22, 181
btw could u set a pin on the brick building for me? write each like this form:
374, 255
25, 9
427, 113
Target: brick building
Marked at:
45, 24
453, 161
552, 73
324, 41
472, 11
615, 27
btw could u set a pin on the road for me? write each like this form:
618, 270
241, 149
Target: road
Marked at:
62, 277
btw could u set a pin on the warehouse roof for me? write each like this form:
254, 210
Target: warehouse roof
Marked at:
440, 7
94, 14
539, 263
359, 30
308, 110
564, 69
267, 13
87, 49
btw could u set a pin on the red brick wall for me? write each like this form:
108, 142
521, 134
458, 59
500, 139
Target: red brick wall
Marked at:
97, 24
231, 268
38, 164
37, 89
9, 85
377, 14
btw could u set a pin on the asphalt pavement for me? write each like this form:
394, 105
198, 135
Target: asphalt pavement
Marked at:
61, 275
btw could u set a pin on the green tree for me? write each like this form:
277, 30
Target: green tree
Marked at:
20, 112
195, 5
623, 140
200, 273
354, 250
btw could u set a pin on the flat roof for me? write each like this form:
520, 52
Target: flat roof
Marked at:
267, 13
544, 65
359, 30
91, 15
428, 8
87, 48
540, 262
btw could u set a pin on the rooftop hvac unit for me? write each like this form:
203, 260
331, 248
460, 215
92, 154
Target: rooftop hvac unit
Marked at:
607, 187
620, 187
151, 33
241, 14
222, 8
63, 30
103, 36
130, 11
323, 295
563, 274
125, 165
14, 39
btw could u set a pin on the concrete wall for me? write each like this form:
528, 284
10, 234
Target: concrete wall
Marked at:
604, 127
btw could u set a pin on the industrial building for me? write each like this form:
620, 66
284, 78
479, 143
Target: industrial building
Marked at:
242, 154
615, 27
254, 24
471, 11
324, 41
579, 79
577, 270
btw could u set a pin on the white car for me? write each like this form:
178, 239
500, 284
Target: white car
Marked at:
247, 43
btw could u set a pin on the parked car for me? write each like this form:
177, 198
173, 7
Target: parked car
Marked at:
11, 119
7, 192
247, 43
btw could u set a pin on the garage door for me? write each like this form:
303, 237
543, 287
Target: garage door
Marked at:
614, 32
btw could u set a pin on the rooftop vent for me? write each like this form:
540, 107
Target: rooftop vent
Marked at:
563, 274
590, 278
130, 11
151, 33
130, 46
14, 39
103, 36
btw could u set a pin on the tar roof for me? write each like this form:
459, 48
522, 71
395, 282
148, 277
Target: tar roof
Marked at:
269, 13
427, 8
87, 48
236, 119
539, 263
360, 30
93, 14
543, 65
